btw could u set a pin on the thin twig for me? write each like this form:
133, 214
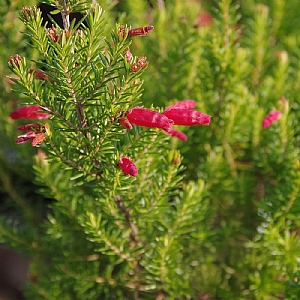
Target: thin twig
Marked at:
134, 230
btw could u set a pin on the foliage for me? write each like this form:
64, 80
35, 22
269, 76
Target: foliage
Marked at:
215, 217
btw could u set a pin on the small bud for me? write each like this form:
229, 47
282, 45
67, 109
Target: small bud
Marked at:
284, 104
140, 31
29, 112
122, 32
273, 116
174, 157
148, 118
55, 37
184, 104
187, 117
41, 157
39, 74
128, 56
239, 31
28, 13
140, 64
128, 167
282, 56
14, 61
178, 134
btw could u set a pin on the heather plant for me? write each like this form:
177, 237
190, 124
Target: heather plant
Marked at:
162, 141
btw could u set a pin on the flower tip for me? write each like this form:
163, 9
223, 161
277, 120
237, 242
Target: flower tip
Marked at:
206, 120
149, 28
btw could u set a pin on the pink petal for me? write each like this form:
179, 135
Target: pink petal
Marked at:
184, 104
178, 134
27, 137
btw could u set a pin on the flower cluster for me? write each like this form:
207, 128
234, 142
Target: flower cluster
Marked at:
181, 113
35, 132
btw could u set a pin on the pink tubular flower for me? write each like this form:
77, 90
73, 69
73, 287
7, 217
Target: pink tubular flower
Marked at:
178, 134
148, 118
273, 116
184, 104
29, 112
128, 167
187, 117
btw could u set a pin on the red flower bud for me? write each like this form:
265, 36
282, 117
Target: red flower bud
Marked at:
184, 104
140, 31
29, 112
28, 13
273, 116
128, 167
141, 63
178, 134
187, 117
14, 61
148, 118
55, 37
128, 56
